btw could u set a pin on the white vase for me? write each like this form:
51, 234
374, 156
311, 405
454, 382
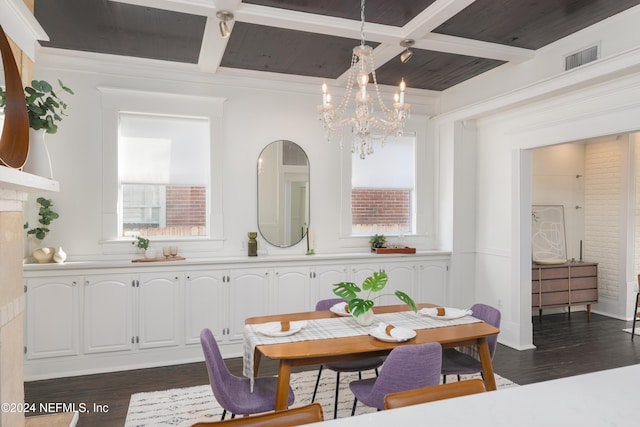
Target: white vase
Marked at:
43, 255
365, 319
60, 256
38, 160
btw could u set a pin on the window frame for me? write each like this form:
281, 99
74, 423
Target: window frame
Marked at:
117, 100
424, 189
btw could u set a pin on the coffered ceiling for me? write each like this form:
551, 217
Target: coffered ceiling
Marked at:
455, 40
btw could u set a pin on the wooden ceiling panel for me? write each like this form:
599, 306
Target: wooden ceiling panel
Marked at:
104, 26
529, 24
396, 13
122, 28
261, 48
433, 70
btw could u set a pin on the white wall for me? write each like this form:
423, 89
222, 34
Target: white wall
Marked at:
255, 114
558, 179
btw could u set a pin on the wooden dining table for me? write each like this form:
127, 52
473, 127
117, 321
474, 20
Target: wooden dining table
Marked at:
311, 352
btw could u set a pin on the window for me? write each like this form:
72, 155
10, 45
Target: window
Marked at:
383, 189
162, 169
163, 175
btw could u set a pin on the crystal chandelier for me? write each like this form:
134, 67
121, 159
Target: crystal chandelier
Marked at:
365, 126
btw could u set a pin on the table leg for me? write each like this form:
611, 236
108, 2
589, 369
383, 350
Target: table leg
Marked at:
589, 312
487, 366
282, 393
256, 361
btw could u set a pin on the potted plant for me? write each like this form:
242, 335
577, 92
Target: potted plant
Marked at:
361, 308
45, 216
377, 241
45, 109
141, 243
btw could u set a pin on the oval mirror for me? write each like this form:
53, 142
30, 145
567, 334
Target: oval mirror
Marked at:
283, 193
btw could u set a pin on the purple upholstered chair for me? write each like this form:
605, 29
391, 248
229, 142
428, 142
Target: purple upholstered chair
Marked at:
407, 367
465, 361
358, 366
233, 393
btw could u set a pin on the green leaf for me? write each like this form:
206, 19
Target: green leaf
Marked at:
346, 290
407, 300
376, 282
357, 306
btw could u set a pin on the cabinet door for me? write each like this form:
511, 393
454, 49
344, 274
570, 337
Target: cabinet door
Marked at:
432, 284
160, 310
248, 297
52, 316
325, 277
108, 313
359, 272
204, 303
401, 277
292, 290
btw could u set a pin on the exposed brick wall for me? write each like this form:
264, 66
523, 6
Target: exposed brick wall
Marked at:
186, 206
387, 209
603, 182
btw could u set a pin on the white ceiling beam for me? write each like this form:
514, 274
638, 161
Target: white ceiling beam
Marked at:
312, 23
433, 16
477, 48
194, 7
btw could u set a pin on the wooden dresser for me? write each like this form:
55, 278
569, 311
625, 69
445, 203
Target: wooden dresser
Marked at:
564, 285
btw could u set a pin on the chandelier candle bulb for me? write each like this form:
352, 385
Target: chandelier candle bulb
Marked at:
402, 88
324, 95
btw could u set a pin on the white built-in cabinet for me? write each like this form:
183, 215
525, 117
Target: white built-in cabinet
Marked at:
108, 312
86, 318
53, 317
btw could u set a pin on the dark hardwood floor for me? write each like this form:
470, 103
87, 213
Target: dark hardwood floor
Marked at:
565, 346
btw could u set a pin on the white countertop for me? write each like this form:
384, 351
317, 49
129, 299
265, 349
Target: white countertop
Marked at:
228, 260
605, 398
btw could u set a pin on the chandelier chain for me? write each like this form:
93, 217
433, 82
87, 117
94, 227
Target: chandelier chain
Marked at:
362, 23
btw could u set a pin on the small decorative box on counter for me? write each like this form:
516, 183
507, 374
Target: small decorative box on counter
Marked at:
399, 250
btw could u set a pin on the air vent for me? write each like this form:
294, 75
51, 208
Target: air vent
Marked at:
577, 59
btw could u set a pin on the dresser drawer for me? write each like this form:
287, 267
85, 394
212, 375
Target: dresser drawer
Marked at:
554, 298
584, 271
554, 273
555, 285
584, 296
584, 283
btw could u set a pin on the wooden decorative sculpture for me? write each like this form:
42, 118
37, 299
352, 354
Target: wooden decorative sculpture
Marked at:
14, 141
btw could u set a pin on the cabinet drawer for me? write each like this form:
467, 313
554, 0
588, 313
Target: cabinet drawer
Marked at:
584, 283
535, 300
584, 271
535, 287
555, 298
535, 274
584, 296
555, 285
554, 273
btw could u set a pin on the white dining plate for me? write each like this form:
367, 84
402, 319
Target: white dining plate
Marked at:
272, 329
399, 334
339, 309
450, 313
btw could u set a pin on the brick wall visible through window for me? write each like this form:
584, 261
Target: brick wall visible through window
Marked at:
380, 210
186, 206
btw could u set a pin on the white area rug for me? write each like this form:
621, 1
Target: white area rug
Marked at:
628, 330
185, 406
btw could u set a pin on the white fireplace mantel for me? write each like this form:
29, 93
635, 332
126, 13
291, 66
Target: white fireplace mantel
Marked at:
15, 186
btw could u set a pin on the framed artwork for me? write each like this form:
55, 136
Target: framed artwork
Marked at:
548, 240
